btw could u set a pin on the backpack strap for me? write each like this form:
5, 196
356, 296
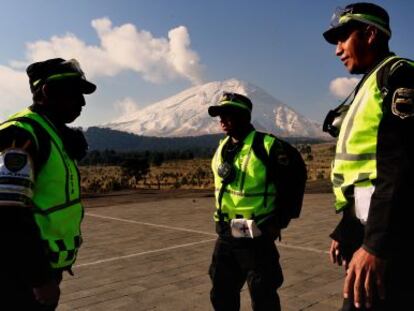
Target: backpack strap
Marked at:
384, 73
260, 152
259, 148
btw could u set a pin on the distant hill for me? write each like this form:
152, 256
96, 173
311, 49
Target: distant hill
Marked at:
104, 138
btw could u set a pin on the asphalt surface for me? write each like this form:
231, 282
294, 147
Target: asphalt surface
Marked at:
151, 251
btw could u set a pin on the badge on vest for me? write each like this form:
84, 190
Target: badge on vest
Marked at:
15, 163
403, 103
244, 228
16, 177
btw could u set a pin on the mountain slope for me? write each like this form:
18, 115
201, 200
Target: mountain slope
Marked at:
185, 114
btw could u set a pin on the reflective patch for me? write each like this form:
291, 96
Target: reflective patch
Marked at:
403, 103
16, 177
15, 161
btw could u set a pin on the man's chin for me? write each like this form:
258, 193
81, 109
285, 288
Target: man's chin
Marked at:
72, 118
228, 132
355, 71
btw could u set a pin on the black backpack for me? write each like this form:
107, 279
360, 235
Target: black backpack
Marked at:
286, 168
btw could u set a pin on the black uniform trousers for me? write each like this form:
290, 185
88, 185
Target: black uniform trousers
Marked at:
18, 296
236, 261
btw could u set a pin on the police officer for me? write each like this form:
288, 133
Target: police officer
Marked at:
373, 169
246, 217
40, 203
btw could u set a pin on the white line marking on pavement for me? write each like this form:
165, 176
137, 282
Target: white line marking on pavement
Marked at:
302, 248
149, 224
141, 253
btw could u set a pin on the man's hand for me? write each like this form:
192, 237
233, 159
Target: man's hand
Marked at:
365, 276
336, 254
47, 294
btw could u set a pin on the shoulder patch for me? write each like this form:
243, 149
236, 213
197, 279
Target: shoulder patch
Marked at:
14, 161
283, 159
403, 103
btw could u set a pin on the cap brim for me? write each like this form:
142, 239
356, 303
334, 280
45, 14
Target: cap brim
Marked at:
333, 34
87, 87
215, 111
341, 31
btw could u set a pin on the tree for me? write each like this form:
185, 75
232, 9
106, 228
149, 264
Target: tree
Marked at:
320, 175
158, 158
135, 167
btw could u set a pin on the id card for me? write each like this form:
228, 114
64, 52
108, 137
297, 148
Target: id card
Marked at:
244, 228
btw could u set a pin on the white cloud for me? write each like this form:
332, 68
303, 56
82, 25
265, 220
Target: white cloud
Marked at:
343, 86
14, 91
121, 48
126, 109
125, 48
183, 59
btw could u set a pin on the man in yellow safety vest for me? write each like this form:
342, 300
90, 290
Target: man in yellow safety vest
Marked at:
373, 170
249, 208
40, 186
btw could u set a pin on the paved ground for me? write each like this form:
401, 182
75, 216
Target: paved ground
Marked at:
152, 252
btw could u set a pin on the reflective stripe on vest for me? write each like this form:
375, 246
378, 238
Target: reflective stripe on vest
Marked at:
355, 160
244, 197
56, 196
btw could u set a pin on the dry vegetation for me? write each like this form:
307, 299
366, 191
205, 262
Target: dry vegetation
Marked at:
184, 174
318, 161
189, 174
102, 178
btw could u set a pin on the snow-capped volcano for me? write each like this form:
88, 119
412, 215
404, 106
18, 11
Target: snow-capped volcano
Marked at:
185, 114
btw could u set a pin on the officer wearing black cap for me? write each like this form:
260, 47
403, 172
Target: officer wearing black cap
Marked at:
39, 187
373, 170
248, 215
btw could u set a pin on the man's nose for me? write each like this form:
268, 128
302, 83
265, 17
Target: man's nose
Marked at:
339, 50
223, 118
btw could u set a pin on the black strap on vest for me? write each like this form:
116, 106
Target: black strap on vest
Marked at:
229, 158
384, 73
382, 82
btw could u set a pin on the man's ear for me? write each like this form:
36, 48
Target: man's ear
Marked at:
371, 33
45, 91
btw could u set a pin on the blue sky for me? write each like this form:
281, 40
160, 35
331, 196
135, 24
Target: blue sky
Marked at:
126, 47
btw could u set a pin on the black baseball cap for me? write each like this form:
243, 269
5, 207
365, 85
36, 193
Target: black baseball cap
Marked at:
346, 19
58, 69
231, 102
